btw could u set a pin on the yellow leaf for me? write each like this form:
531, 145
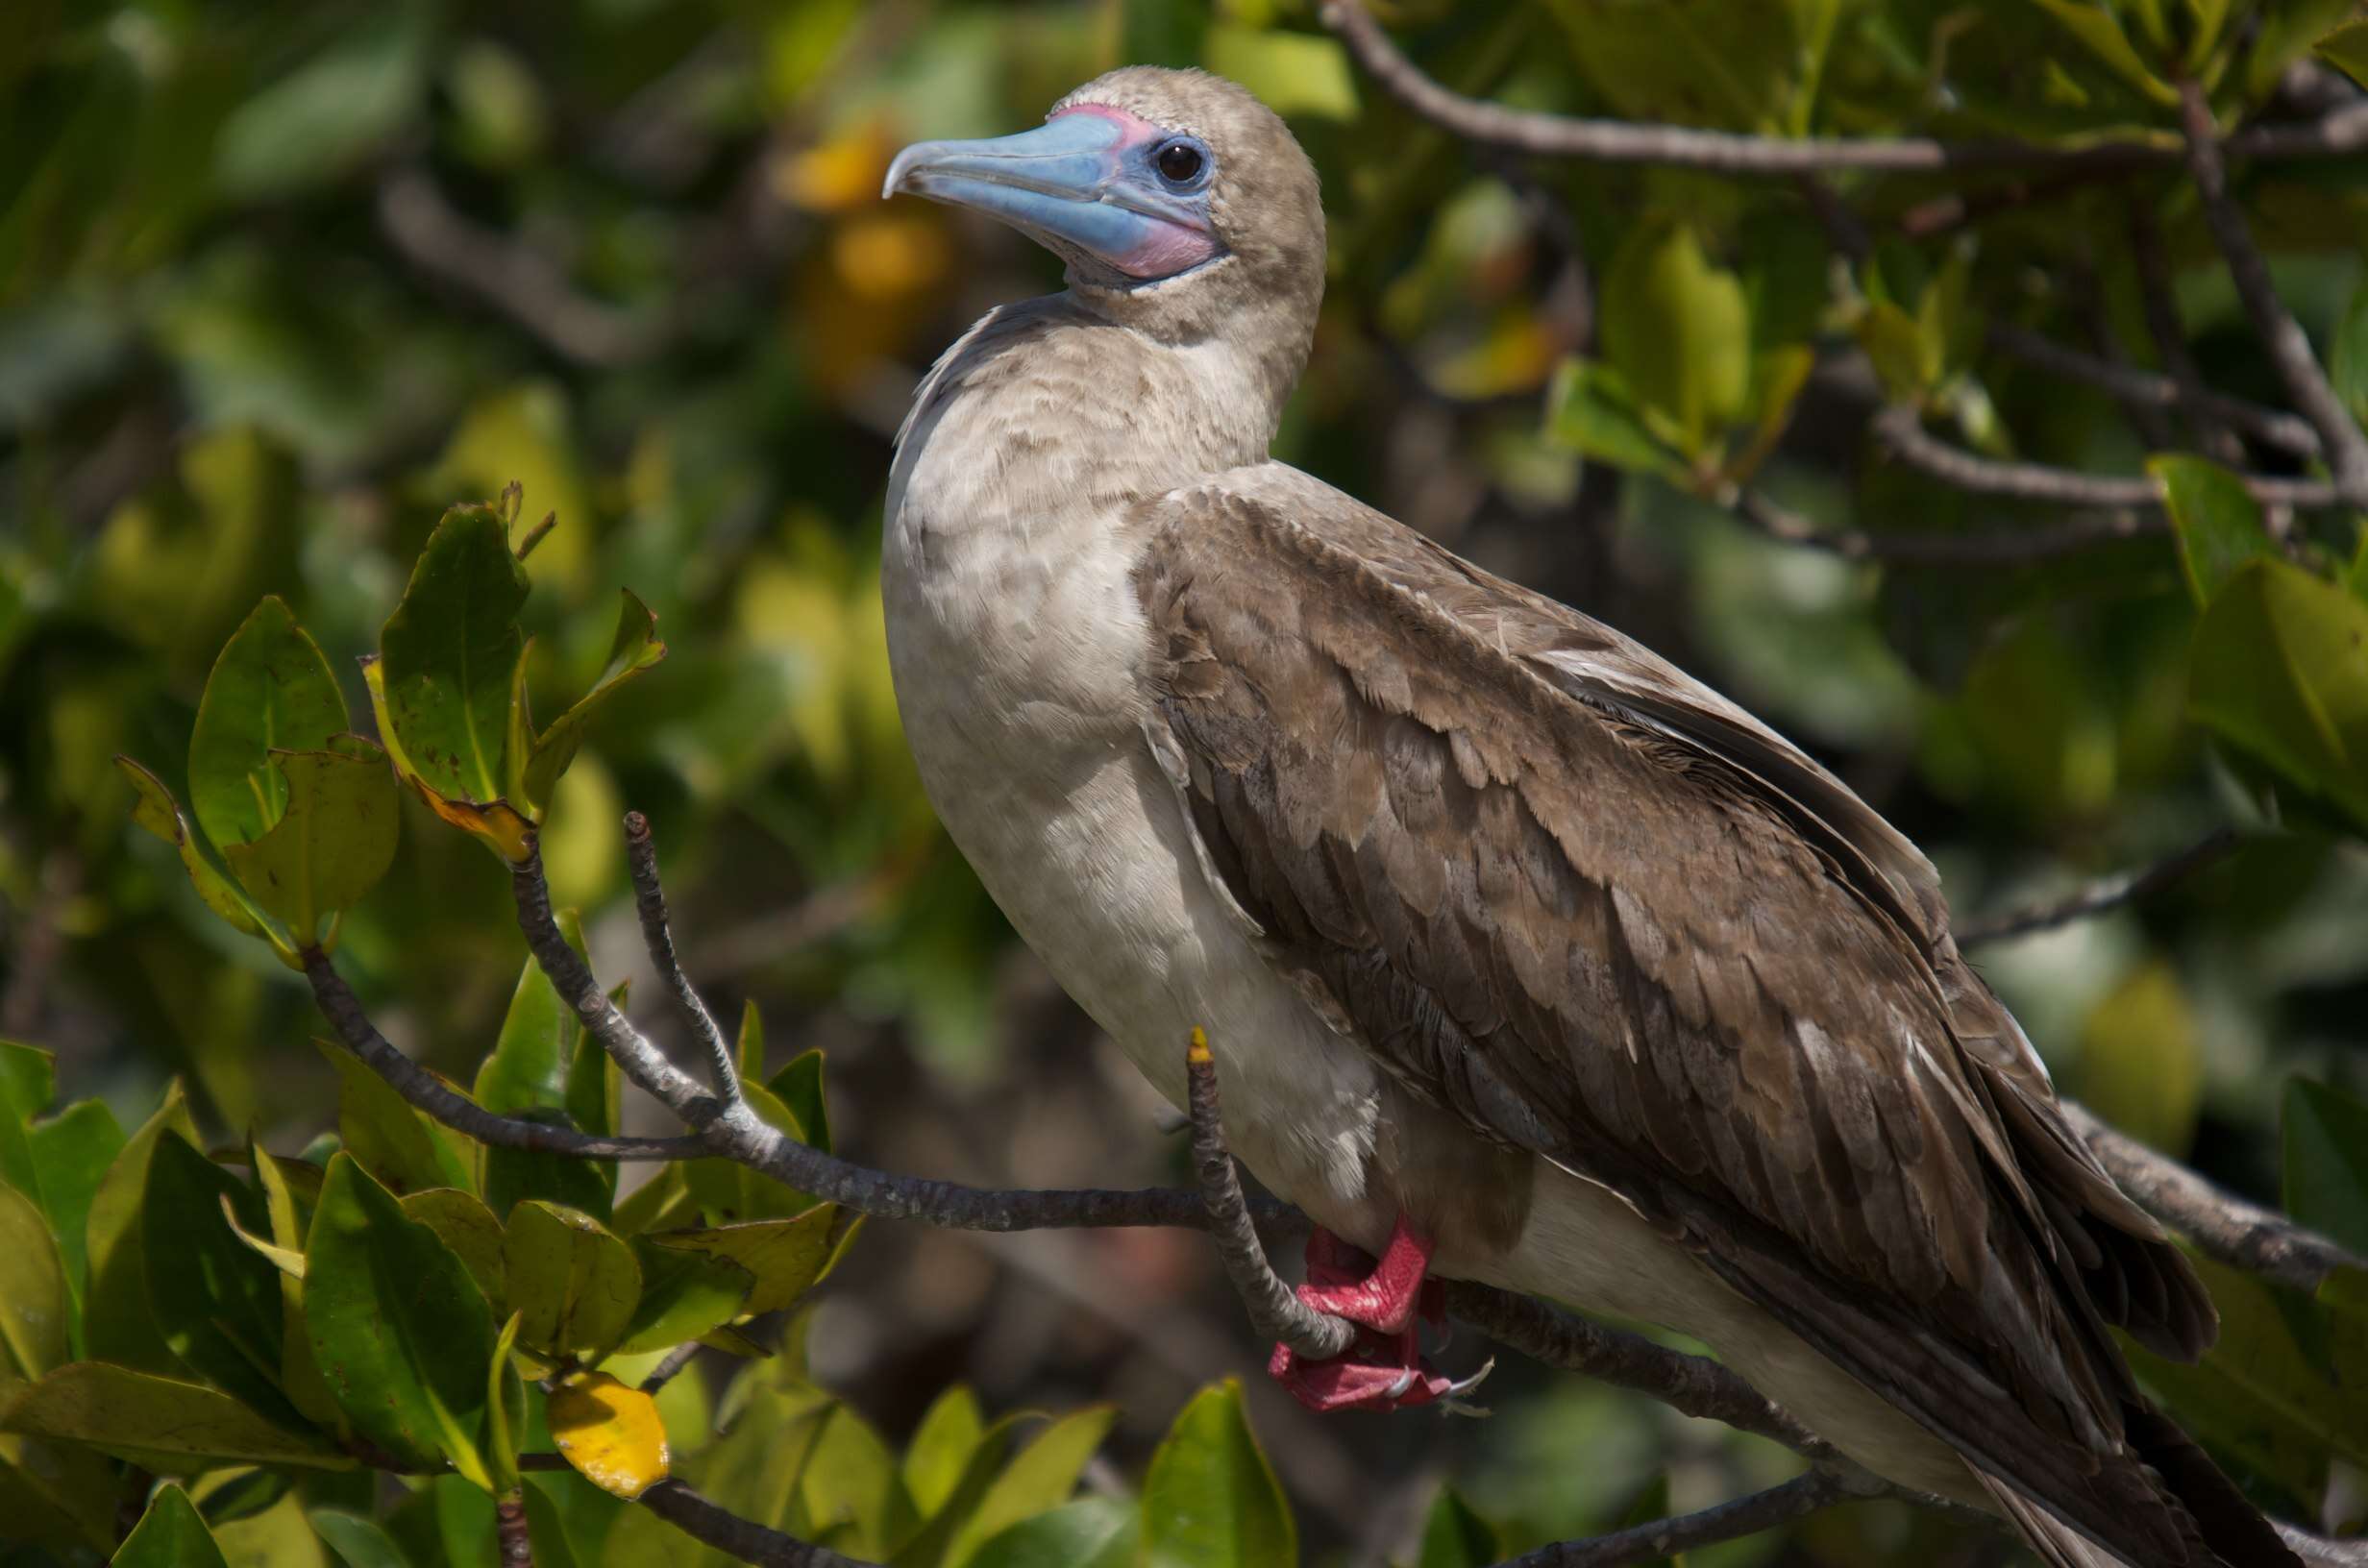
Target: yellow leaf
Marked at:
610, 1431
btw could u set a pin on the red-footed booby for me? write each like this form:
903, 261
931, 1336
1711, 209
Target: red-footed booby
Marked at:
1526, 958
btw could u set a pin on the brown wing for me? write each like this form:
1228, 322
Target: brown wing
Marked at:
1601, 914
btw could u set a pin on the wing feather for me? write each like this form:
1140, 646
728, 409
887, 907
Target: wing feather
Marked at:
1594, 911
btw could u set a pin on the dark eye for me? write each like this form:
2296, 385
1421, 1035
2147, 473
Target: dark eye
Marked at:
1180, 161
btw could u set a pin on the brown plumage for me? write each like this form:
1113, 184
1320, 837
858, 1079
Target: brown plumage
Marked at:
1499, 923
1656, 944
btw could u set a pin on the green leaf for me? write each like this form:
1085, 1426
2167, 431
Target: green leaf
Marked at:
1677, 330
379, 1129
2281, 668
2327, 1162
28, 1083
117, 1325
1211, 1500
35, 1309
153, 808
2141, 1061
1591, 411
2258, 1394
216, 1301
332, 846
447, 653
573, 1284
2347, 357
358, 1540
300, 1376
2215, 518
635, 649
685, 1295
1091, 1532
397, 1325
71, 1153
2346, 49
949, 1435
505, 1410
2096, 26
1041, 1476
798, 1087
466, 1225
784, 1257
1292, 73
169, 1535
850, 1489
1454, 1536
528, 1068
271, 690
330, 114
163, 1423
515, 1176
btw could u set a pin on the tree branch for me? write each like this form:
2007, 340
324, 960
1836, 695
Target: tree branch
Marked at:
657, 936
427, 1093
2221, 1224
514, 278
2110, 893
2159, 299
2027, 548
1901, 429
1691, 1384
2281, 334
1275, 1312
2273, 427
513, 1539
1797, 1498
1620, 141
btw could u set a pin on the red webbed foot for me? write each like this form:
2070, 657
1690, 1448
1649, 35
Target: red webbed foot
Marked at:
1383, 1369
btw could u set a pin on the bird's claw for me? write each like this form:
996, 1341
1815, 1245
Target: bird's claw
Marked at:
1377, 1373
1383, 1369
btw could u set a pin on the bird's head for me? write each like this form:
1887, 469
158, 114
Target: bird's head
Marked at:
1174, 196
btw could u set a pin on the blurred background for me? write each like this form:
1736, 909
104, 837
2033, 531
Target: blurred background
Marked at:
282, 279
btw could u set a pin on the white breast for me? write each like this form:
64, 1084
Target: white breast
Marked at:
1017, 646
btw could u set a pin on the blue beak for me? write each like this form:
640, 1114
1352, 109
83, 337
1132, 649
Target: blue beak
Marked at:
1080, 181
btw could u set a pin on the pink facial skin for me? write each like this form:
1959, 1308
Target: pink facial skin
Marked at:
1174, 236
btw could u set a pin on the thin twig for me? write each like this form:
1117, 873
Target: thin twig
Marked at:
2273, 427
1620, 141
454, 1109
510, 1533
1901, 429
514, 278
711, 1524
667, 1370
1691, 1384
1275, 1312
2159, 299
650, 899
1801, 1496
2108, 893
2223, 1225
2281, 334
735, 1132
2027, 548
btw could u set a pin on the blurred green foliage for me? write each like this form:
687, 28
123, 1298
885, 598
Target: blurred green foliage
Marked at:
279, 283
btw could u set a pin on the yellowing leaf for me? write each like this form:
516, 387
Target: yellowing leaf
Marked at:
155, 809
611, 1432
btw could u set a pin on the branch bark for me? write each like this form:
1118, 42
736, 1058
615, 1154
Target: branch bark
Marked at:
2223, 1225
2281, 334
2273, 427
2113, 891
1795, 1499
1901, 429
1622, 141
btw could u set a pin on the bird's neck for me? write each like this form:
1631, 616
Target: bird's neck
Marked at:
1064, 402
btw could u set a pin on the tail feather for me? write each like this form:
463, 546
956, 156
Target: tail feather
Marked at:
2219, 1525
